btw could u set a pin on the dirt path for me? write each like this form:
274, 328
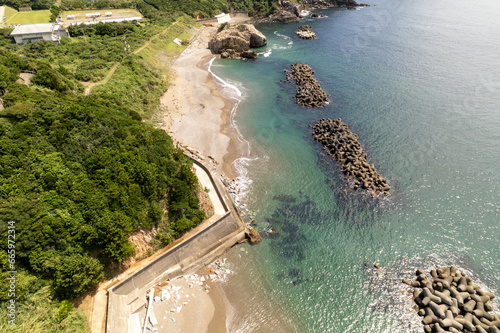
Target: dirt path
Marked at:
113, 69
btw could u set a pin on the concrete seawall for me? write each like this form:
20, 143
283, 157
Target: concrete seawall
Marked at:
213, 237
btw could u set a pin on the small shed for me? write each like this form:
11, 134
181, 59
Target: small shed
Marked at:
223, 18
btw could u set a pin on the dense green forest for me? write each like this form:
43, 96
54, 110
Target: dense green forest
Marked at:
79, 173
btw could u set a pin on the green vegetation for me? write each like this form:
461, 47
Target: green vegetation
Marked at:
79, 173
256, 7
35, 5
9, 12
34, 16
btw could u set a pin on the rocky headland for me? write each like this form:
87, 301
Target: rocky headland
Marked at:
305, 32
452, 302
236, 41
309, 92
340, 143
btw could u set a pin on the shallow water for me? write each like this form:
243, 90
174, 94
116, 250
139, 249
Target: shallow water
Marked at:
418, 82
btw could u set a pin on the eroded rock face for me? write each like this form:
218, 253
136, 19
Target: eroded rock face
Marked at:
230, 38
285, 17
257, 38
235, 42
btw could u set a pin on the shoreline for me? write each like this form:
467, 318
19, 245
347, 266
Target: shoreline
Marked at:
197, 115
200, 118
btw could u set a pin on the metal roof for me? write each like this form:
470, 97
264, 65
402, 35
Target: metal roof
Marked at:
34, 28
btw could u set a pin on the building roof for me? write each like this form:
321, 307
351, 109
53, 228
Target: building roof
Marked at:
34, 28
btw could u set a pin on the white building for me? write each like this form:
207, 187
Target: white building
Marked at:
223, 18
51, 32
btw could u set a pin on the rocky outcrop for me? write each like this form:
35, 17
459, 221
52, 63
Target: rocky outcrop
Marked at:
235, 42
305, 32
285, 17
451, 302
253, 236
330, 3
230, 39
257, 38
340, 143
309, 92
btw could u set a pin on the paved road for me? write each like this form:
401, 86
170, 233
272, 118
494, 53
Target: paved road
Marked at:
217, 237
212, 193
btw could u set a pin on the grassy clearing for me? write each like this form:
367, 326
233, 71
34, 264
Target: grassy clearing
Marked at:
9, 12
155, 58
35, 16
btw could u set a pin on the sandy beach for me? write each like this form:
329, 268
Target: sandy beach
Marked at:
197, 115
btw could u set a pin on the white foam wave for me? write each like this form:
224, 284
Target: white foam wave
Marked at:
243, 182
228, 89
267, 53
281, 35
305, 13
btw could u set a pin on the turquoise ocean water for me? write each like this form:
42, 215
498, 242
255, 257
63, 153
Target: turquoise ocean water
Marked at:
419, 83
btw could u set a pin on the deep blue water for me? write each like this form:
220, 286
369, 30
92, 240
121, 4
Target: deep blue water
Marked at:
419, 83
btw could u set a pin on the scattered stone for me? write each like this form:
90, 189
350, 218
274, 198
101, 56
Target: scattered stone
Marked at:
253, 236
309, 92
253, 222
340, 143
305, 32
377, 266
250, 54
452, 302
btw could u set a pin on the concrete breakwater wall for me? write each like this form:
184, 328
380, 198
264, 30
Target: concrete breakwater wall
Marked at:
309, 92
340, 143
453, 303
209, 240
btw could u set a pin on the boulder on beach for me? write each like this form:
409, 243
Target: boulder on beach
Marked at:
253, 236
231, 42
232, 39
257, 38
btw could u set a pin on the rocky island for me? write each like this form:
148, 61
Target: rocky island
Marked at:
305, 32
